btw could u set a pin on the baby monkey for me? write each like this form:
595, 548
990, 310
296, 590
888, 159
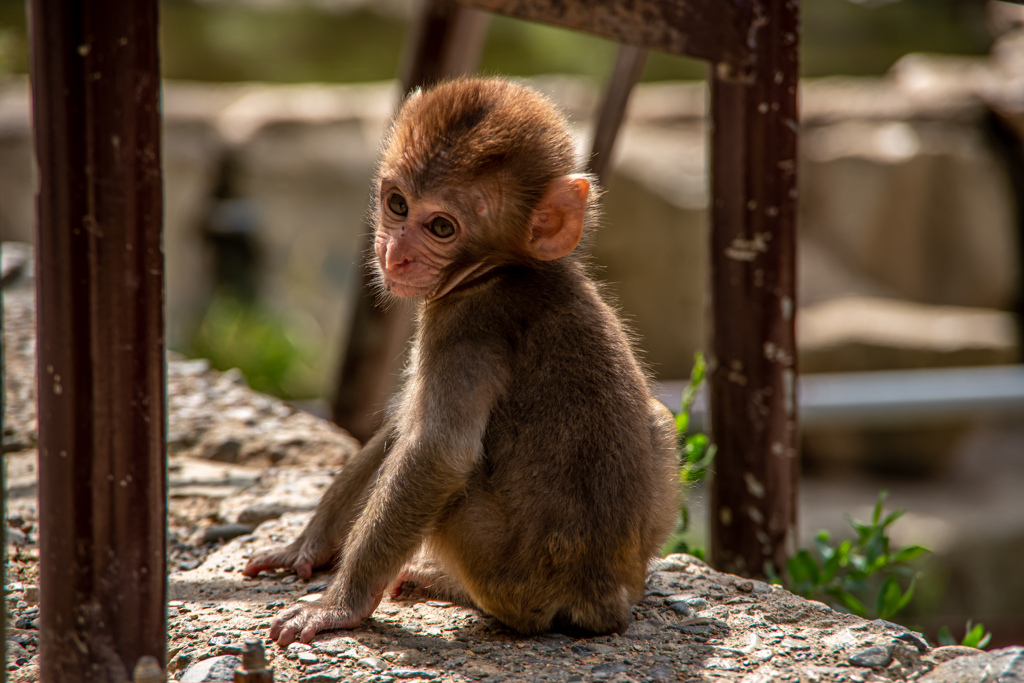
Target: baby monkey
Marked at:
524, 467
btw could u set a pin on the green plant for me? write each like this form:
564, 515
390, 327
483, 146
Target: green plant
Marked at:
695, 455
974, 636
277, 355
839, 573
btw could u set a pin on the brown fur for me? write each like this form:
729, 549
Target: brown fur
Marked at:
524, 456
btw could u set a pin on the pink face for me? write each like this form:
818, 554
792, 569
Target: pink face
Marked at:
415, 240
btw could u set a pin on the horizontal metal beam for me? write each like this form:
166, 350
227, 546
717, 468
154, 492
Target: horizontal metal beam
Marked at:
715, 30
891, 398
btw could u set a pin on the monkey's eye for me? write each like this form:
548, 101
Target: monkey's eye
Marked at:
442, 227
396, 203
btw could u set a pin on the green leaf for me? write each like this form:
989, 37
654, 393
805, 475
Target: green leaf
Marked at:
945, 637
849, 601
888, 600
682, 422
909, 553
822, 545
892, 517
698, 443
864, 531
803, 568
877, 514
976, 636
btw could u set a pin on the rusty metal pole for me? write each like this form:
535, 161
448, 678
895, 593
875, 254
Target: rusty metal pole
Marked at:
753, 259
3, 482
629, 67
102, 488
446, 41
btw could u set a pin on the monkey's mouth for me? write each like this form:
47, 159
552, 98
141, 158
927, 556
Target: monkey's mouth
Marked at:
405, 289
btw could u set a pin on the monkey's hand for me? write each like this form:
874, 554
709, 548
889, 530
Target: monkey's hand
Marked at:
306, 620
301, 556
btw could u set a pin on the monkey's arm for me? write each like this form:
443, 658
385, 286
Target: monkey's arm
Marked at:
439, 441
323, 538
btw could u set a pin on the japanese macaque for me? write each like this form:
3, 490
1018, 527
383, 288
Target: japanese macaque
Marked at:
524, 467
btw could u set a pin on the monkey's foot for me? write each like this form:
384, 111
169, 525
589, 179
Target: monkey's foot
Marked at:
425, 579
305, 621
297, 556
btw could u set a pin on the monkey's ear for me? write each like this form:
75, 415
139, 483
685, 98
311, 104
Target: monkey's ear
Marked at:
556, 226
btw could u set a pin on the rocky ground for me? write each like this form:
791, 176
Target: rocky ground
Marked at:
246, 469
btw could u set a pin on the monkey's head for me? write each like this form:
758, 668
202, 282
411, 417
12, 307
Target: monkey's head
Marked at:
474, 174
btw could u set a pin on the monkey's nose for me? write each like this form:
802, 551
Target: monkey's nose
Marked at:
396, 257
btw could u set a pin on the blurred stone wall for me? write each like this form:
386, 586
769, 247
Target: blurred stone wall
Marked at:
906, 195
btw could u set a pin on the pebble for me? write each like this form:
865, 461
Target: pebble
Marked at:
16, 536
878, 656
25, 639
227, 450
676, 562
212, 670
225, 532
28, 623
17, 653
681, 608
915, 639
608, 669
263, 512
660, 673
328, 676
308, 658
412, 673
372, 663
406, 657
219, 640
697, 604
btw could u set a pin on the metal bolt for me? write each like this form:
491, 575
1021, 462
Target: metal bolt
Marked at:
254, 665
147, 670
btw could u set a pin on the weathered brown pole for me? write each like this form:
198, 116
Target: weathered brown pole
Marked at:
3, 481
446, 41
753, 247
102, 490
629, 67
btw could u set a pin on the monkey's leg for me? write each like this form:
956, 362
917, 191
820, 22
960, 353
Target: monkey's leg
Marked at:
322, 540
425, 573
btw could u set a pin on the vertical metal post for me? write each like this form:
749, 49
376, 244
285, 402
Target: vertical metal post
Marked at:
753, 246
3, 484
629, 67
102, 489
446, 41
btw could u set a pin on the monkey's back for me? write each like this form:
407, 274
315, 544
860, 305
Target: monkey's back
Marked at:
574, 457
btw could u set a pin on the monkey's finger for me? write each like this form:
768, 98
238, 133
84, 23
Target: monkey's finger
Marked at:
281, 620
287, 637
268, 559
310, 630
304, 569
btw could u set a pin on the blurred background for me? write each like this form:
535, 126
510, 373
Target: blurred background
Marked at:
912, 182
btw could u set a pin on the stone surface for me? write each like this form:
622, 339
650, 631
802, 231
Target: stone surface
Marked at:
209, 413
867, 333
997, 666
